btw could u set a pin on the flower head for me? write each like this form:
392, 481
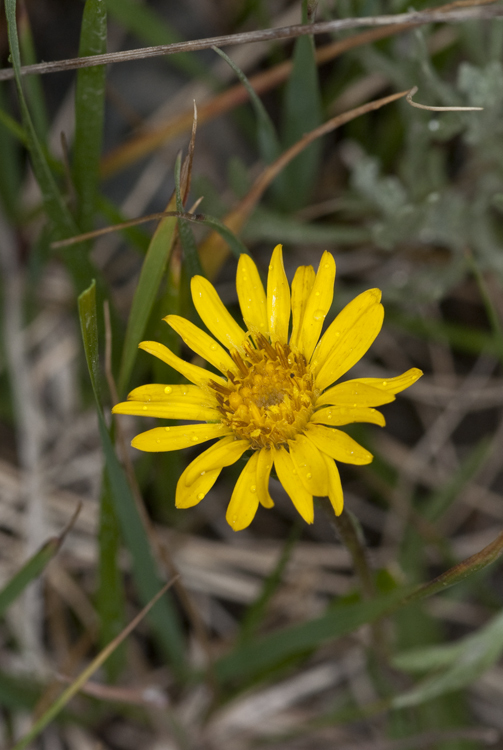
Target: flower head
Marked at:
275, 396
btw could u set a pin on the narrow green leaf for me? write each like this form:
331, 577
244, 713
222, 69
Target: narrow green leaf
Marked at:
302, 113
110, 596
89, 106
190, 254
268, 142
267, 225
55, 207
28, 573
145, 23
250, 659
467, 661
33, 85
149, 282
162, 617
236, 246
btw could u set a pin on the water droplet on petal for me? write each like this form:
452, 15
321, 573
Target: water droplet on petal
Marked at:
168, 389
145, 408
213, 347
253, 488
200, 495
385, 382
319, 314
167, 429
157, 441
309, 475
203, 473
195, 439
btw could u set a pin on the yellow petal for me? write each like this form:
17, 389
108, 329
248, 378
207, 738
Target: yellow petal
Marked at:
180, 436
195, 374
309, 464
339, 415
186, 497
224, 453
335, 493
287, 475
264, 466
394, 385
169, 410
355, 393
251, 295
348, 338
244, 501
337, 444
215, 315
278, 298
201, 343
159, 392
301, 289
318, 305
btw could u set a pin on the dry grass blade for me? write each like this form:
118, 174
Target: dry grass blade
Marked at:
438, 109
214, 250
263, 35
84, 676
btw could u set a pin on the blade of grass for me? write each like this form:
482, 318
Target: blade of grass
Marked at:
163, 617
150, 279
34, 90
86, 674
190, 255
146, 24
89, 106
110, 600
62, 222
267, 138
33, 568
302, 111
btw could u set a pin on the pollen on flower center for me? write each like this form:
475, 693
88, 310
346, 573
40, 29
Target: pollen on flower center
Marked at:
271, 398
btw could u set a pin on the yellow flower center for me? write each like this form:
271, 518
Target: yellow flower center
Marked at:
272, 398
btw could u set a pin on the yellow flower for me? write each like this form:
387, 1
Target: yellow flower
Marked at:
275, 396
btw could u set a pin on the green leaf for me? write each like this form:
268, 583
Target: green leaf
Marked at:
251, 659
162, 617
266, 225
89, 106
149, 282
190, 254
268, 143
302, 113
110, 596
55, 207
28, 573
464, 663
145, 23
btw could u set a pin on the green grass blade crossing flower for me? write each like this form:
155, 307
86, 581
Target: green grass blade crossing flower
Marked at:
163, 618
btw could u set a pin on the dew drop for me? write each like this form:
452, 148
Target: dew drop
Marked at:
253, 488
203, 473
309, 475
213, 347
385, 382
200, 496
145, 408
319, 314
168, 389
167, 429
195, 439
158, 441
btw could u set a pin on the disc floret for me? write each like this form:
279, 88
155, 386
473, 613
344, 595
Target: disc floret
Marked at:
272, 397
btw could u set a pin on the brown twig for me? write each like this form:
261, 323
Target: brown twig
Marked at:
261, 35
